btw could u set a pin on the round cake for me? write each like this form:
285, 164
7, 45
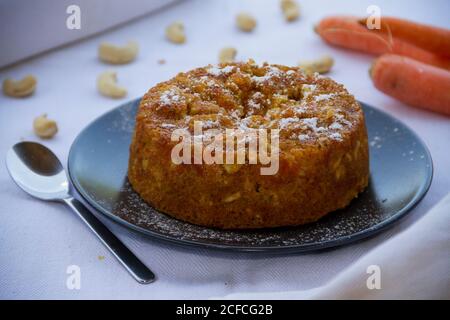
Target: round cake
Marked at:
315, 132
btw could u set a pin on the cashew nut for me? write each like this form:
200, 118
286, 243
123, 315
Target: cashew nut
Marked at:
20, 88
175, 33
107, 85
110, 53
44, 128
322, 65
290, 9
227, 55
245, 22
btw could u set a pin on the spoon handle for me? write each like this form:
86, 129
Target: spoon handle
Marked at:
127, 258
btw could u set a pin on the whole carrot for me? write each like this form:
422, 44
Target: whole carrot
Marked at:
412, 82
430, 38
348, 32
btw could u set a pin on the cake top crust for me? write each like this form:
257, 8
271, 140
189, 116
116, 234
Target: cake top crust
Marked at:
306, 108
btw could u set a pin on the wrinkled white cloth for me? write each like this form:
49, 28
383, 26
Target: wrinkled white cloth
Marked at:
39, 240
403, 267
31, 27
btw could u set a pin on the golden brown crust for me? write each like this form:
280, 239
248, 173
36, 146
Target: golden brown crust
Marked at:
323, 161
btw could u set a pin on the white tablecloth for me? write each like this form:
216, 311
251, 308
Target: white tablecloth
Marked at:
39, 240
24, 23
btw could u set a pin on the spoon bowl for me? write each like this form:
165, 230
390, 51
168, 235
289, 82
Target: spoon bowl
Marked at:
36, 170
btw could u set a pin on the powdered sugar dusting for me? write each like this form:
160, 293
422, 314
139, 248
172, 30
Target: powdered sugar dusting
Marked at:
170, 96
311, 124
271, 73
133, 209
335, 136
286, 122
321, 97
253, 103
335, 126
303, 137
217, 71
290, 72
307, 90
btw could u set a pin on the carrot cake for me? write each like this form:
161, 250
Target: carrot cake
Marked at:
316, 142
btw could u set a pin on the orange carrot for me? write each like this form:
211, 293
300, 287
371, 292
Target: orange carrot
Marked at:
430, 38
347, 32
413, 82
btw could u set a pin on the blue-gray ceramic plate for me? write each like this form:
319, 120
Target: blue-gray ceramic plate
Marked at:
400, 175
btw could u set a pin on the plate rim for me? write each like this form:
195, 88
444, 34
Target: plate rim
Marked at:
344, 240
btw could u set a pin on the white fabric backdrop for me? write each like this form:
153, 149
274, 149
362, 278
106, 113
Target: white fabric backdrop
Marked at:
30, 27
39, 240
413, 264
